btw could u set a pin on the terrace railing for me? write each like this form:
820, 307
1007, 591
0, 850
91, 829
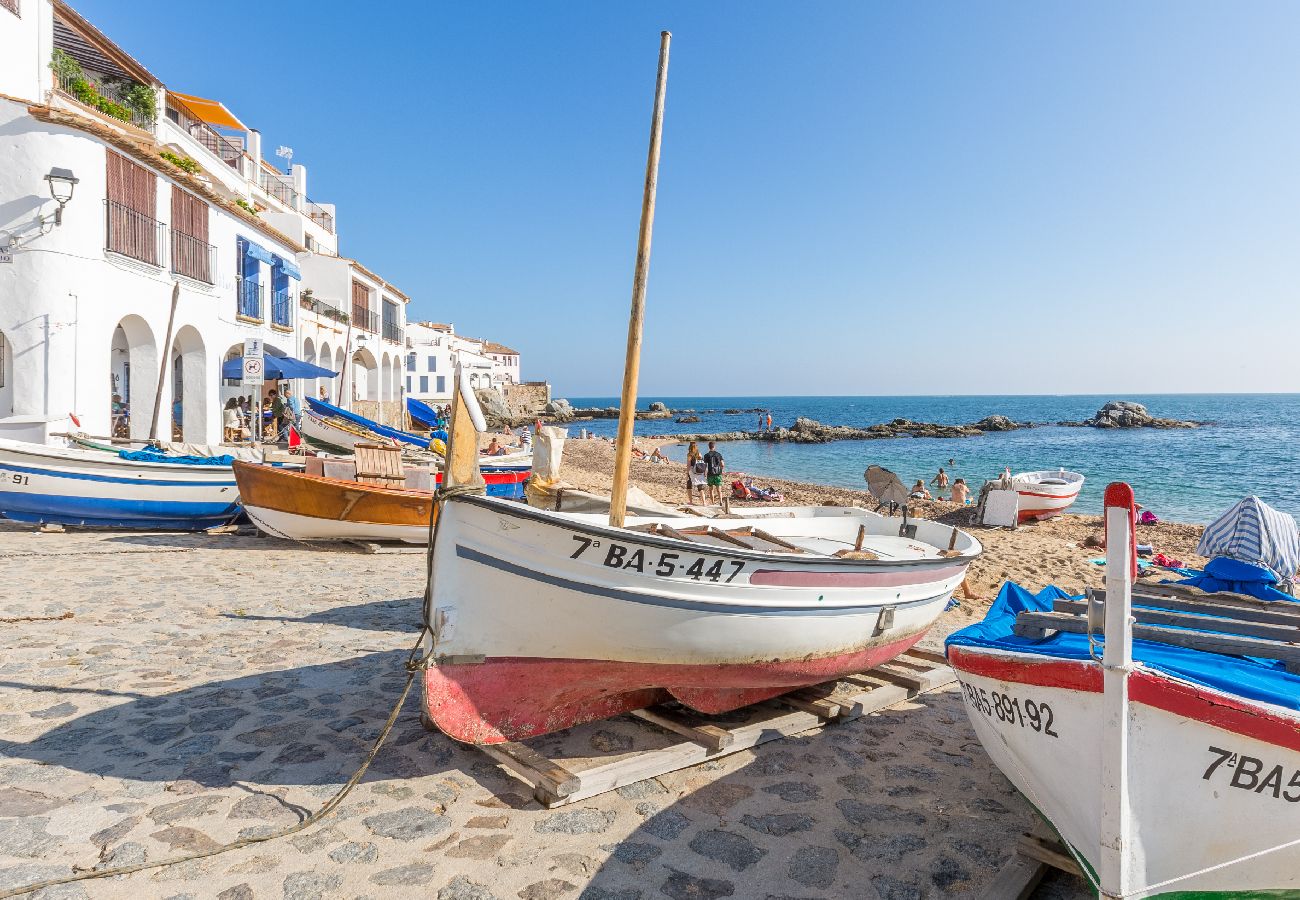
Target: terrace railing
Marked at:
133, 233
319, 215
323, 308
227, 149
249, 297
281, 311
393, 332
280, 188
192, 257
103, 95
365, 319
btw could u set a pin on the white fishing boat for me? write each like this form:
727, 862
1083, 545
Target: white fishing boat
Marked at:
1044, 494
73, 486
1158, 732
546, 619
336, 434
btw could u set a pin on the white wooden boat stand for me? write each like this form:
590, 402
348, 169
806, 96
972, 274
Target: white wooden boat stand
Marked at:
557, 782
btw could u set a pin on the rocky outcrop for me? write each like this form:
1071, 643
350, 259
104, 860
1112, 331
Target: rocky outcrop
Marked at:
658, 406
559, 410
1127, 414
686, 420
998, 423
494, 406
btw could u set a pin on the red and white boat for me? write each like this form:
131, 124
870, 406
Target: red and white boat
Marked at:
543, 620
1169, 761
1041, 495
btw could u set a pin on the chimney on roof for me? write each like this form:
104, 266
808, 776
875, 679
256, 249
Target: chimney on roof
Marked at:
255, 151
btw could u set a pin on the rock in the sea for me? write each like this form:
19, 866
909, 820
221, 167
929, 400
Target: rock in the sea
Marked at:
1127, 414
686, 420
995, 423
658, 406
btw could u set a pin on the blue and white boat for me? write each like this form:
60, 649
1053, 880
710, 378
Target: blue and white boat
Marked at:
72, 486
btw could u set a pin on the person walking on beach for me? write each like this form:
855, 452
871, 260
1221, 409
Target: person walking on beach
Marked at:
715, 466
696, 472
293, 405
941, 480
277, 416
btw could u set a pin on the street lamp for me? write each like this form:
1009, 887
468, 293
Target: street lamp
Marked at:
62, 184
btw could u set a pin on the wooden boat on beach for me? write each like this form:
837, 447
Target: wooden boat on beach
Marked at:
302, 507
75, 486
1169, 759
1045, 494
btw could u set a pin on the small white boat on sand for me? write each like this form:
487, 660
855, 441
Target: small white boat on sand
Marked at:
1045, 494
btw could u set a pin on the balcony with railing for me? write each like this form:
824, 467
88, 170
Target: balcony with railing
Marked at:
227, 148
364, 319
319, 215
192, 257
281, 308
133, 234
323, 308
280, 187
392, 332
121, 99
249, 297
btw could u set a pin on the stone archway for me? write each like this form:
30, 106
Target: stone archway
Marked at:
133, 370
324, 359
365, 376
193, 397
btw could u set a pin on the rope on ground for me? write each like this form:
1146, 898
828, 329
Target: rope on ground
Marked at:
16, 619
414, 665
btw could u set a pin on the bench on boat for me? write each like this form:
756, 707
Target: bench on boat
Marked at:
1233, 624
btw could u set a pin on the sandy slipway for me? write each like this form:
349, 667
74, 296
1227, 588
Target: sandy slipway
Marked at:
212, 687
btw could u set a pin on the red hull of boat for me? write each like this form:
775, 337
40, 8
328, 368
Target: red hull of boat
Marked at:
512, 698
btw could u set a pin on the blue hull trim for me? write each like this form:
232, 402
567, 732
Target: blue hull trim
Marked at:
506, 491
112, 479
105, 513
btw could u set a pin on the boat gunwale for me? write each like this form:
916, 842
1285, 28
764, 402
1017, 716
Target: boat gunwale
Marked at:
105, 459
654, 540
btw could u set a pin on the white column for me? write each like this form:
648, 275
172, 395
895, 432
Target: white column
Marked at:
299, 185
255, 151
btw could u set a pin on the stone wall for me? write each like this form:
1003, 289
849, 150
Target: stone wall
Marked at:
385, 412
528, 398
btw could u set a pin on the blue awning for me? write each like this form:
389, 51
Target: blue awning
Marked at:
258, 252
289, 267
277, 368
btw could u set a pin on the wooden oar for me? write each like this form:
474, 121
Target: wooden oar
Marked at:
632, 365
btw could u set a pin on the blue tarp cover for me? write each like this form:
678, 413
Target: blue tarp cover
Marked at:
157, 456
320, 407
277, 368
1263, 680
1223, 574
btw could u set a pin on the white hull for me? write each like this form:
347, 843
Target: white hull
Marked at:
67, 485
1198, 801
1048, 493
327, 434
295, 527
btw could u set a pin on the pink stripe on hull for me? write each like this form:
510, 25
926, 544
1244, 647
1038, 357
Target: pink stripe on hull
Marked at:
901, 578
512, 698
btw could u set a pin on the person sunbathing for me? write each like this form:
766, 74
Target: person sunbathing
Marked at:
495, 449
919, 491
658, 456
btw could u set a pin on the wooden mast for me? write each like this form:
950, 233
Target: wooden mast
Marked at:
162, 366
632, 365
1115, 866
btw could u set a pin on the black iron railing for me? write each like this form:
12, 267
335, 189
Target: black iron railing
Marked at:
365, 319
249, 296
393, 332
227, 149
319, 215
280, 188
192, 257
133, 233
281, 312
109, 97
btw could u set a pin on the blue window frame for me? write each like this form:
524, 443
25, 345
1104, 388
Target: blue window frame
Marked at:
248, 284
433, 363
410, 364
281, 309
424, 384
442, 384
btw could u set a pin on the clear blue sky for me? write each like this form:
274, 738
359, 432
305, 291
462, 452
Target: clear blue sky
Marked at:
855, 198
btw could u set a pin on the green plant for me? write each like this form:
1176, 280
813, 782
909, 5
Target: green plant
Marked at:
246, 206
184, 163
140, 99
65, 68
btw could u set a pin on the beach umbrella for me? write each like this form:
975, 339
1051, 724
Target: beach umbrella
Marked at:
277, 368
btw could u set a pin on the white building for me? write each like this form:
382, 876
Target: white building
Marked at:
170, 189
434, 350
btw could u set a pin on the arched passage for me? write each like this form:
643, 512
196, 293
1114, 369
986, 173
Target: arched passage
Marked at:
325, 359
191, 408
133, 370
365, 376
385, 379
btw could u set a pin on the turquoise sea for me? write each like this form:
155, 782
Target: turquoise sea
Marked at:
1252, 447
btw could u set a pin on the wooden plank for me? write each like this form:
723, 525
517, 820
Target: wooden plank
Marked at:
727, 536
1017, 880
1286, 633
711, 736
773, 539
544, 773
818, 706
917, 681
1037, 624
1247, 609
1050, 852
929, 656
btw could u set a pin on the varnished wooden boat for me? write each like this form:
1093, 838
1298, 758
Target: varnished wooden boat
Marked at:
304, 507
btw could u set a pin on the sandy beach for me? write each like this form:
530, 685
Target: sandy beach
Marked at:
1033, 555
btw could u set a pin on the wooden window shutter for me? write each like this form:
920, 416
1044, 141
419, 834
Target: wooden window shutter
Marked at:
189, 215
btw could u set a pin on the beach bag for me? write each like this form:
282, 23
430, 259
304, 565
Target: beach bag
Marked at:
698, 471
1148, 518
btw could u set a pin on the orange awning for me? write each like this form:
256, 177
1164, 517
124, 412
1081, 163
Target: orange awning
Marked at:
211, 111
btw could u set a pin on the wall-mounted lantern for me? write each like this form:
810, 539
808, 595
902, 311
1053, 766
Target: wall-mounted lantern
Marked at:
62, 184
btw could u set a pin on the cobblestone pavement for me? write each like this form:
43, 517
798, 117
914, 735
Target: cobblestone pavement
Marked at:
212, 687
